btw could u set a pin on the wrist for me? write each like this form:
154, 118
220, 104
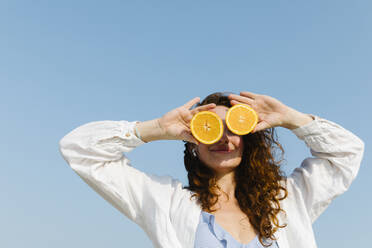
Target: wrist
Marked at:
296, 119
149, 130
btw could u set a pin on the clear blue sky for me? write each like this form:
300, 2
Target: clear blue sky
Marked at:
66, 63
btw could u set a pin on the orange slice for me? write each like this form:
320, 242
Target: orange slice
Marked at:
241, 119
206, 127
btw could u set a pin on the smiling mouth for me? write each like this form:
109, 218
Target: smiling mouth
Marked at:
221, 151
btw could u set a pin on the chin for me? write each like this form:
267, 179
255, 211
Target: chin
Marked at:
225, 165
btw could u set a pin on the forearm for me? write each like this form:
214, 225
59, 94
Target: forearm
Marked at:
98, 141
337, 155
149, 130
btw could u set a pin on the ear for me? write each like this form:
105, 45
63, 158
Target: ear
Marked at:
191, 146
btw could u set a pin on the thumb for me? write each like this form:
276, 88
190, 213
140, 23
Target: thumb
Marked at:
261, 126
190, 138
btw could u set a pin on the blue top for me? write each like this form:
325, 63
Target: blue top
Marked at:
209, 234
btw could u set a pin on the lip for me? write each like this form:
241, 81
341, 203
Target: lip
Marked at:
222, 151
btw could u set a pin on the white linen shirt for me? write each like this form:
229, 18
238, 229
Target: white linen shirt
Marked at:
164, 210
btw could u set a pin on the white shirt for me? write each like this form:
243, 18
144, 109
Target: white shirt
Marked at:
164, 210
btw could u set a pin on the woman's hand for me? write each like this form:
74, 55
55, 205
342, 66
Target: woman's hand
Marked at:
271, 112
175, 125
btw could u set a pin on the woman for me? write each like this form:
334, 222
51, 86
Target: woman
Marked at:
237, 194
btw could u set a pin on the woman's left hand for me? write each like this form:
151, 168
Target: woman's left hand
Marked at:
271, 112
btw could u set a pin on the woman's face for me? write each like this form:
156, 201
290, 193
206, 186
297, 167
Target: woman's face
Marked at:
226, 154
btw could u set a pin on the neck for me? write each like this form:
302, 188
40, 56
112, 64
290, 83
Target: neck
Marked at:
226, 182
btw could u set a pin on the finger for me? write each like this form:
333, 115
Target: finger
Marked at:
233, 102
188, 117
192, 102
261, 126
203, 108
248, 94
242, 99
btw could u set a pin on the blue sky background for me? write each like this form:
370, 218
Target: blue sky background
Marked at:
66, 63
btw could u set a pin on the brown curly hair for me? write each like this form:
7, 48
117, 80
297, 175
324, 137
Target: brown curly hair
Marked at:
257, 177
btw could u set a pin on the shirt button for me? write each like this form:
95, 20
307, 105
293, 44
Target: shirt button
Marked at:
127, 134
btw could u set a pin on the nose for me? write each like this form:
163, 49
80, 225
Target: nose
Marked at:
224, 139
226, 134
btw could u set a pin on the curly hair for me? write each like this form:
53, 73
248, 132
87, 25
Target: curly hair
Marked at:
257, 177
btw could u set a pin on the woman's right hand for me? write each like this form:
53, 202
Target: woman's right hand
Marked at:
174, 125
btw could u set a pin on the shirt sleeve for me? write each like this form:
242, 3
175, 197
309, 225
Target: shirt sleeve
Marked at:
337, 155
96, 152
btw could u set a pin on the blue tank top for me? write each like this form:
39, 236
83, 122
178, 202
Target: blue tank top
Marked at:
210, 234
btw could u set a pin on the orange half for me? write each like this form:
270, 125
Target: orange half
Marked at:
241, 119
206, 127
